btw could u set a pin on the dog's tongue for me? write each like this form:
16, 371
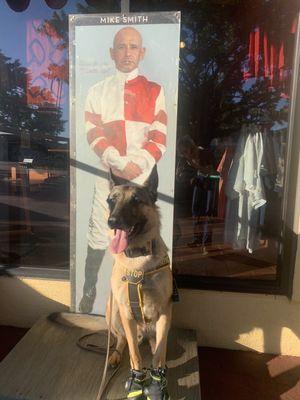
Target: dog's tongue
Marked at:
119, 242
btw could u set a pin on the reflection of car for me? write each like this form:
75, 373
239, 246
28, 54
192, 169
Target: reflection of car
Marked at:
44, 151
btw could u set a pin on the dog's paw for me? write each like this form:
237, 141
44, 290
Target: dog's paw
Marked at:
114, 359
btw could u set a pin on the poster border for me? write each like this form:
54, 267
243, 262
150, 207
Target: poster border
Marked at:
171, 17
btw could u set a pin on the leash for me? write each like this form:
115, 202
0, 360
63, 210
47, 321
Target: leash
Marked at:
104, 385
98, 349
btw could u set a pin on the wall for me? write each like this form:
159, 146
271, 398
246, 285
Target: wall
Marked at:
263, 323
23, 301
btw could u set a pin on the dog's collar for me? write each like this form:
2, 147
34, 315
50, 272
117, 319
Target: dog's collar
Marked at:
146, 250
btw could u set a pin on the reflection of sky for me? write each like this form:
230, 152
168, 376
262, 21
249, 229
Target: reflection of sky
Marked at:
13, 25
13, 32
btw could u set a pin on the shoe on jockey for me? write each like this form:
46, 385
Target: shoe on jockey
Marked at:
92, 266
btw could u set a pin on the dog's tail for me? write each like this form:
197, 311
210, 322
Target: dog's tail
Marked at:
89, 322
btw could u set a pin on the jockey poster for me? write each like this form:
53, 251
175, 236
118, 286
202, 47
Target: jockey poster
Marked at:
123, 102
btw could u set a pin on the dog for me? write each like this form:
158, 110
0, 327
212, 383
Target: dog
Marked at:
141, 283
142, 286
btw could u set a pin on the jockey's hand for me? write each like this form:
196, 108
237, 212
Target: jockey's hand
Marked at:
131, 171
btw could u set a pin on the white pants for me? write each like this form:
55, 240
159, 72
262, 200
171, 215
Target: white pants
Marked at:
97, 236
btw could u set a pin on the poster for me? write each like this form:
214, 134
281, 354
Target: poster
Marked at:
123, 105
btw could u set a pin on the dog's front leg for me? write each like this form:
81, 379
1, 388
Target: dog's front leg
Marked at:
130, 328
162, 328
157, 387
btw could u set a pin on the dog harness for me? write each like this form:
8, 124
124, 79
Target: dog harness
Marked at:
134, 279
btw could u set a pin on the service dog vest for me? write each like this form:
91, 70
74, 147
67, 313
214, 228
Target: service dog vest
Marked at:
135, 280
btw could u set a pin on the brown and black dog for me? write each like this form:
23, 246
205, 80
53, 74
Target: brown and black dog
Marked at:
141, 284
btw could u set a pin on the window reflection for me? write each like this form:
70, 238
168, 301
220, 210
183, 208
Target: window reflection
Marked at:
47, 61
231, 145
34, 136
34, 157
234, 90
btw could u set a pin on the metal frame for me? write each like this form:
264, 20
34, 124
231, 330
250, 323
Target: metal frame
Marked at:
72, 141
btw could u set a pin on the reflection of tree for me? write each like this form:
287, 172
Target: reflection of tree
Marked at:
60, 74
16, 115
42, 119
40, 96
214, 98
56, 29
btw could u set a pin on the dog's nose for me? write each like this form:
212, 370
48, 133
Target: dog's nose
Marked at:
112, 222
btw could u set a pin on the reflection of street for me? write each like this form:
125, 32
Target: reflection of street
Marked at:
34, 217
42, 205
220, 260
34, 145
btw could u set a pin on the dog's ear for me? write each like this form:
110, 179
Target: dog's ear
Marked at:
117, 180
152, 183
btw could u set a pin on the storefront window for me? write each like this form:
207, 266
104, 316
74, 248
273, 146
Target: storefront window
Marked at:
236, 64
34, 131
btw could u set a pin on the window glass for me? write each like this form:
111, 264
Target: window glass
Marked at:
34, 130
234, 91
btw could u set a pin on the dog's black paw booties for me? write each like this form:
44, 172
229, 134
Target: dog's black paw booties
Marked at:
135, 384
157, 389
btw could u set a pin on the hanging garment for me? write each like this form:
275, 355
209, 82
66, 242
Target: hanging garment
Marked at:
223, 169
245, 192
273, 160
279, 146
202, 209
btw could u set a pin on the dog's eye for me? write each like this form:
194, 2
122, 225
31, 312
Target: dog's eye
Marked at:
135, 198
110, 201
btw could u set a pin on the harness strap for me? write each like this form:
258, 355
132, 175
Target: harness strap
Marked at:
135, 300
158, 269
134, 280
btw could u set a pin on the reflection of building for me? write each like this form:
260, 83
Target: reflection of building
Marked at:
45, 151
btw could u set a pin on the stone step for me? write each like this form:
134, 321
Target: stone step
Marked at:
47, 364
